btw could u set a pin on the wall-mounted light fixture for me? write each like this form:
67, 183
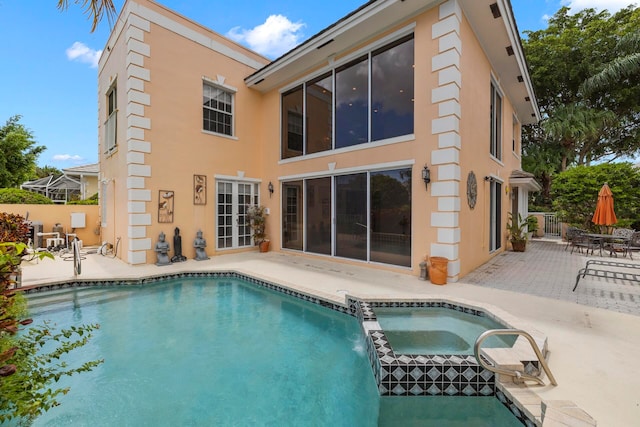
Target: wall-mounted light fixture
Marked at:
426, 176
270, 188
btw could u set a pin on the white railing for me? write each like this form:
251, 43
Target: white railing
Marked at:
552, 226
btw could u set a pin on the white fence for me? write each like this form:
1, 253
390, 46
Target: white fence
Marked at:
552, 226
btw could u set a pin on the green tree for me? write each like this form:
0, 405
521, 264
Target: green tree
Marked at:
620, 70
45, 171
20, 152
94, 9
578, 131
578, 127
575, 193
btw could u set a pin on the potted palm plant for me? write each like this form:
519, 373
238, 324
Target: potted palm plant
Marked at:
258, 221
532, 226
517, 233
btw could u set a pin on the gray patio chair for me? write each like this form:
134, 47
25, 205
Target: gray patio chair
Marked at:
572, 232
616, 246
581, 241
633, 245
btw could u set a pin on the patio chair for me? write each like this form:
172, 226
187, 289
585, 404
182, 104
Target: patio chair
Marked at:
571, 233
619, 241
633, 245
582, 241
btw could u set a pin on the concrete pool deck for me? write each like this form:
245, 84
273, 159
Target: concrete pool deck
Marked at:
593, 334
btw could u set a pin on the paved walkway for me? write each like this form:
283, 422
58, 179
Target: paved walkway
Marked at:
547, 270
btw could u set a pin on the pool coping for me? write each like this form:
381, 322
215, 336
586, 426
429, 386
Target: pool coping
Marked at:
527, 414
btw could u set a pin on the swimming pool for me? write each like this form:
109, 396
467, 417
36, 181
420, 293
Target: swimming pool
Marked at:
205, 351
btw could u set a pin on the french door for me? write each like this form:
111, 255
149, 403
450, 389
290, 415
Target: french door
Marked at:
233, 198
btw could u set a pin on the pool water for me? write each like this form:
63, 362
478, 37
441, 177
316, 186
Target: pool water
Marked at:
224, 352
437, 330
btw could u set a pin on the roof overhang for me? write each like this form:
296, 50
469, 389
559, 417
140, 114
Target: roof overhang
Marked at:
500, 39
377, 16
524, 180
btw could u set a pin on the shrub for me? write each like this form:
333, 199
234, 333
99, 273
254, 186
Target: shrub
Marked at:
83, 202
13, 228
575, 192
16, 196
31, 362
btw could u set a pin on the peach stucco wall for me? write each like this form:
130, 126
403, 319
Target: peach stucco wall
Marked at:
159, 69
474, 224
50, 215
161, 144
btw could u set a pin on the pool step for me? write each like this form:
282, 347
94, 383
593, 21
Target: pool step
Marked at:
70, 298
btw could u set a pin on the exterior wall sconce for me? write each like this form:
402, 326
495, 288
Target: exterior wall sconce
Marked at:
270, 188
426, 176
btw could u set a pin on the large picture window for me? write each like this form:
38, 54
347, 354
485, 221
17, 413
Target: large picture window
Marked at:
392, 90
352, 103
319, 101
369, 99
292, 122
217, 110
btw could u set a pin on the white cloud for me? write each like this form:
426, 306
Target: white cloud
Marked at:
273, 38
66, 158
81, 52
611, 5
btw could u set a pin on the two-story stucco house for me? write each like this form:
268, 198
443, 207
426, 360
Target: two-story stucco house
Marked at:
392, 134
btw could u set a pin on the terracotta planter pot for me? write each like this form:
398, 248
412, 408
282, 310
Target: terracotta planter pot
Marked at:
438, 270
519, 245
264, 246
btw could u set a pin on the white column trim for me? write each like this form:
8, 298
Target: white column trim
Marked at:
446, 96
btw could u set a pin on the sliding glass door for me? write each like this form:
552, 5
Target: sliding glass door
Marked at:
318, 218
390, 222
364, 216
351, 216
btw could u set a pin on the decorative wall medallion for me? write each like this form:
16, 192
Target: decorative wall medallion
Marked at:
472, 189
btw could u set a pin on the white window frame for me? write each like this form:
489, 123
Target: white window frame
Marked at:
232, 93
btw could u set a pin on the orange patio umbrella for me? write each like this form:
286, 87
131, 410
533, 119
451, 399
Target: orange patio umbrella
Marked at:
604, 214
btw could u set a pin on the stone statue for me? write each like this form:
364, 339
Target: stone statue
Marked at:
162, 250
200, 243
177, 247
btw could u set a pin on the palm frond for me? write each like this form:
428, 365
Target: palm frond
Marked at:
618, 69
94, 9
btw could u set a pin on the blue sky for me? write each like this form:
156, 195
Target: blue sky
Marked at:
48, 72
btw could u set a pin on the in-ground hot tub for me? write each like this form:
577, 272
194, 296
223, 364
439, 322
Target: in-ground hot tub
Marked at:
426, 353
437, 330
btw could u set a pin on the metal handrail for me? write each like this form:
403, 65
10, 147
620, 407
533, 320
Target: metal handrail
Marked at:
77, 259
517, 374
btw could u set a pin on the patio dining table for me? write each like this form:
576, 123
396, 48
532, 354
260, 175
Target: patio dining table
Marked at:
606, 238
